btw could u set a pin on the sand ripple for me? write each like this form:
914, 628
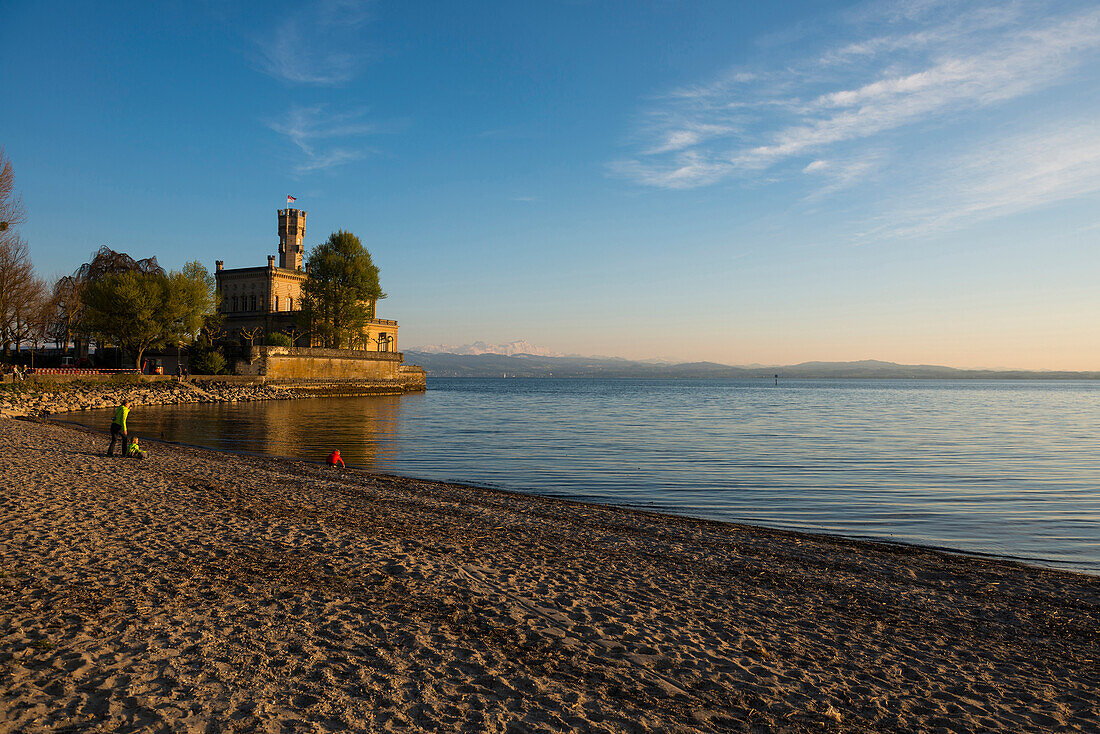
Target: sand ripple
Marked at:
202, 592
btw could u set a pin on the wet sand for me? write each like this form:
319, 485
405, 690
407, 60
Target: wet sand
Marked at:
200, 591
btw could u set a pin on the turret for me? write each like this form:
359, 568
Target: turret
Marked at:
292, 228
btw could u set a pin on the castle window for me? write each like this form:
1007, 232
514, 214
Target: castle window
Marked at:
234, 303
289, 304
276, 303
252, 303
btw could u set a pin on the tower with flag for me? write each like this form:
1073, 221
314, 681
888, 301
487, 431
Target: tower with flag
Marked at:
292, 228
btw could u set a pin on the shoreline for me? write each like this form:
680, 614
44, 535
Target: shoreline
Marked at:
1028, 561
814, 534
480, 607
48, 397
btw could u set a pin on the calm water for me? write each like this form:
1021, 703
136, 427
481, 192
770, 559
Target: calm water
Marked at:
1009, 468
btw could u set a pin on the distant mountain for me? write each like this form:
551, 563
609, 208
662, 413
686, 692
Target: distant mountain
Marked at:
519, 346
445, 364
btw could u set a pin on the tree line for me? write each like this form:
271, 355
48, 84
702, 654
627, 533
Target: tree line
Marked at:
138, 306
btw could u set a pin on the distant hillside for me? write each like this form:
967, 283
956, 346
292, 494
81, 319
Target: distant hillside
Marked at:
528, 365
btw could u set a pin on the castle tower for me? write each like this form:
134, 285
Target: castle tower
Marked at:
292, 228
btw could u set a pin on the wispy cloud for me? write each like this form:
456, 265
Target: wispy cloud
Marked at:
830, 115
319, 43
1012, 174
324, 138
842, 173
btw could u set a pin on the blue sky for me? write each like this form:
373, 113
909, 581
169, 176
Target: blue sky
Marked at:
736, 182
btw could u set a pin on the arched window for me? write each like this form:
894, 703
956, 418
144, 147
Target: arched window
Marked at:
234, 303
289, 304
276, 303
252, 303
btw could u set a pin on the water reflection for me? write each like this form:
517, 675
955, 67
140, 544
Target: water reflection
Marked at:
363, 429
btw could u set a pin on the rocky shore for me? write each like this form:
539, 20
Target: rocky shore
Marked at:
199, 591
47, 398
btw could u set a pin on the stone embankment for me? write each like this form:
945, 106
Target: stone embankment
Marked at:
36, 399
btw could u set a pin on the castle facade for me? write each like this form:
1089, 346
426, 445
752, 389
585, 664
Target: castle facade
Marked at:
259, 301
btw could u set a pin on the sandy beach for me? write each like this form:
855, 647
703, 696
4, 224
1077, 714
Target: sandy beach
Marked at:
204, 592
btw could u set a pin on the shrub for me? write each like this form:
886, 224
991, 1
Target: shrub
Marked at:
208, 362
278, 339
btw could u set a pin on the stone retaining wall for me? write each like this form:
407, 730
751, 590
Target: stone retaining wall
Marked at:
298, 363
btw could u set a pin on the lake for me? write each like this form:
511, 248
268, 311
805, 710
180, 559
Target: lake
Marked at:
997, 467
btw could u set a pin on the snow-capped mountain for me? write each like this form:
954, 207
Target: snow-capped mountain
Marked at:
519, 346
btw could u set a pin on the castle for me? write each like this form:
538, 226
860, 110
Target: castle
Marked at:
256, 302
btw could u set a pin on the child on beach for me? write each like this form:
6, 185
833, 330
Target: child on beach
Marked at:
334, 459
118, 427
134, 451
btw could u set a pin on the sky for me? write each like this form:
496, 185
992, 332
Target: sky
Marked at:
738, 182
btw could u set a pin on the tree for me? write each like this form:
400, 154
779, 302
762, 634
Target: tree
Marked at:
21, 296
293, 335
143, 307
129, 309
20, 290
252, 334
338, 297
192, 300
12, 213
68, 306
105, 262
30, 315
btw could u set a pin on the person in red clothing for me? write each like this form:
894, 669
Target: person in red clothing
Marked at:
334, 459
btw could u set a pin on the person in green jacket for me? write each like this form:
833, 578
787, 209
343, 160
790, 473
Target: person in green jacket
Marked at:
118, 427
134, 451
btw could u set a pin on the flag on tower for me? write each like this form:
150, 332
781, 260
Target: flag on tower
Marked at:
289, 199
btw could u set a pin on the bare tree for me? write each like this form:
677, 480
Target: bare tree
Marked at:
106, 262
211, 332
252, 334
20, 292
11, 204
38, 317
294, 335
68, 305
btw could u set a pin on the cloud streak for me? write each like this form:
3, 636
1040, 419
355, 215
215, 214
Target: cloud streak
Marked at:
1016, 173
835, 116
324, 138
319, 44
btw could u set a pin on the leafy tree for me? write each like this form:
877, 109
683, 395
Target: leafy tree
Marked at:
139, 310
105, 262
192, 300
338, 297
129, 309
